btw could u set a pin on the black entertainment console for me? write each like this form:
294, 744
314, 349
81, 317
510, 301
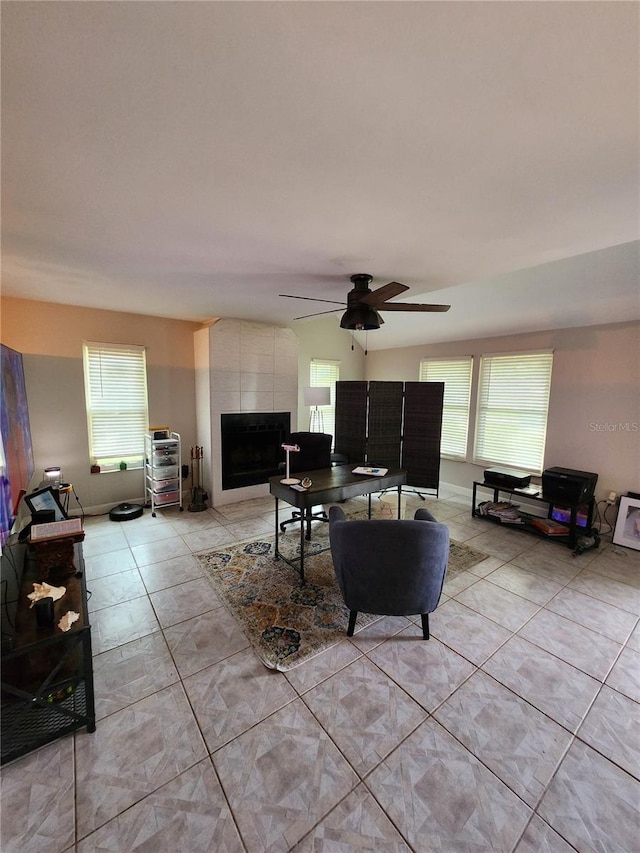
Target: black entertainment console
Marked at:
575, 512
47, 673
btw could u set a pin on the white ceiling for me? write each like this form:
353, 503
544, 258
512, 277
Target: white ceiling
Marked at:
195, 160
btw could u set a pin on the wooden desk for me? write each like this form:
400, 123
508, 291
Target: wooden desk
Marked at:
330, 485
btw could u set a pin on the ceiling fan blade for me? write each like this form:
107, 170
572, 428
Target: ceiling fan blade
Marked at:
408, 306
311, 299
333, 311
381, 294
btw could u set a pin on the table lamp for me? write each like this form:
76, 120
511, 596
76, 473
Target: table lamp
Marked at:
290, 448
52, 477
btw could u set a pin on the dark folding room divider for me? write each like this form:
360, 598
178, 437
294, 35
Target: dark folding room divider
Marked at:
351, 420
384, 434
421, 435
392, 424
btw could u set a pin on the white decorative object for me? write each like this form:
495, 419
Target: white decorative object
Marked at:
319, 395
290, 448
44, 590
68, 619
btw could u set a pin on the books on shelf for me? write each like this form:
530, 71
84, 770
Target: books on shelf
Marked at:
509, 513
371, 472
505, 512
550, 526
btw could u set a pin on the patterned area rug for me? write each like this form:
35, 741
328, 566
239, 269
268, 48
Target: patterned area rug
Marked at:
288, 623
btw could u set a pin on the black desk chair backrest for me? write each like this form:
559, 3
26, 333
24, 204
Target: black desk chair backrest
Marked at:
315, 451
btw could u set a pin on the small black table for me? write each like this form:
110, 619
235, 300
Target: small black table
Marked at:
573, 530
330, 485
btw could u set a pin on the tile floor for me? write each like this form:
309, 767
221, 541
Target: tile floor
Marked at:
515, 728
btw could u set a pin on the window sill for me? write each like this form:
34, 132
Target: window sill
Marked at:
115, 469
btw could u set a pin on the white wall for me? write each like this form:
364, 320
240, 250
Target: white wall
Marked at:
594, 410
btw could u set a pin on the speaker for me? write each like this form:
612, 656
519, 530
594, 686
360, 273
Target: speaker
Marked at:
567, 486
43, 516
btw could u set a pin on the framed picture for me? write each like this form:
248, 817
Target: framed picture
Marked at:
45, 499
16, 452
627, 530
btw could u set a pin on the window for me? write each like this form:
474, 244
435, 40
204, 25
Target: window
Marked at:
456, 375
326, 373
513, 401
115, 379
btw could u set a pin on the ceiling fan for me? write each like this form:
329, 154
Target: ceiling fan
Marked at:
363, 304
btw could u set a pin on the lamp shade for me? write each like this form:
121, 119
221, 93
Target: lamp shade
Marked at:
360, 317
318, 396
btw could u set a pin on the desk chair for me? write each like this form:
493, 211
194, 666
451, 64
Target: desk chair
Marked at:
315, 453
389, 567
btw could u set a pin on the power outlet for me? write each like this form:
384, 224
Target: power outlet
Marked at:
612, 498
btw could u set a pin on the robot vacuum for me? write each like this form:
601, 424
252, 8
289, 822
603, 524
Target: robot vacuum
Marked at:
126, 512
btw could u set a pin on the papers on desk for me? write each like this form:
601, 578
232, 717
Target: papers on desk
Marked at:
371, 472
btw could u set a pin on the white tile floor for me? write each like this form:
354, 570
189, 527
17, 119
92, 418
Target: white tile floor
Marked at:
515, 728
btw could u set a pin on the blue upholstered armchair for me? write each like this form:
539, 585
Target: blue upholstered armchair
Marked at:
389, 567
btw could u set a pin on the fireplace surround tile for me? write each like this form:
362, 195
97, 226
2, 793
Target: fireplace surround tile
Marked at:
225, 380
256, 401
249, 367
257, 363
256, 382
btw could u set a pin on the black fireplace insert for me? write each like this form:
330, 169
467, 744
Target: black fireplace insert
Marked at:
252, 447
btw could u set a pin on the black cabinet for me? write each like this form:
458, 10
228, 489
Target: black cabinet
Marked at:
47, 673
529, 520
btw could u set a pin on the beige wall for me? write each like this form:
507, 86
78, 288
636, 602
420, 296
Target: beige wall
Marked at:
595, 387
50, 338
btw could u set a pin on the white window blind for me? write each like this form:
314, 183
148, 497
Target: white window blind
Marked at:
324, 373
456, 375
513, 401
115, 379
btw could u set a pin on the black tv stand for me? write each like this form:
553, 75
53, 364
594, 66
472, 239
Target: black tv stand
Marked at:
47, 674
570, 539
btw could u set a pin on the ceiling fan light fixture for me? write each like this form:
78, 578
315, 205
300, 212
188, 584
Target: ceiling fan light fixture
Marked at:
360, 318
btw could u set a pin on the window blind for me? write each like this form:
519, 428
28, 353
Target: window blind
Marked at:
513, 402
456, 375
116, 401
324, 373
